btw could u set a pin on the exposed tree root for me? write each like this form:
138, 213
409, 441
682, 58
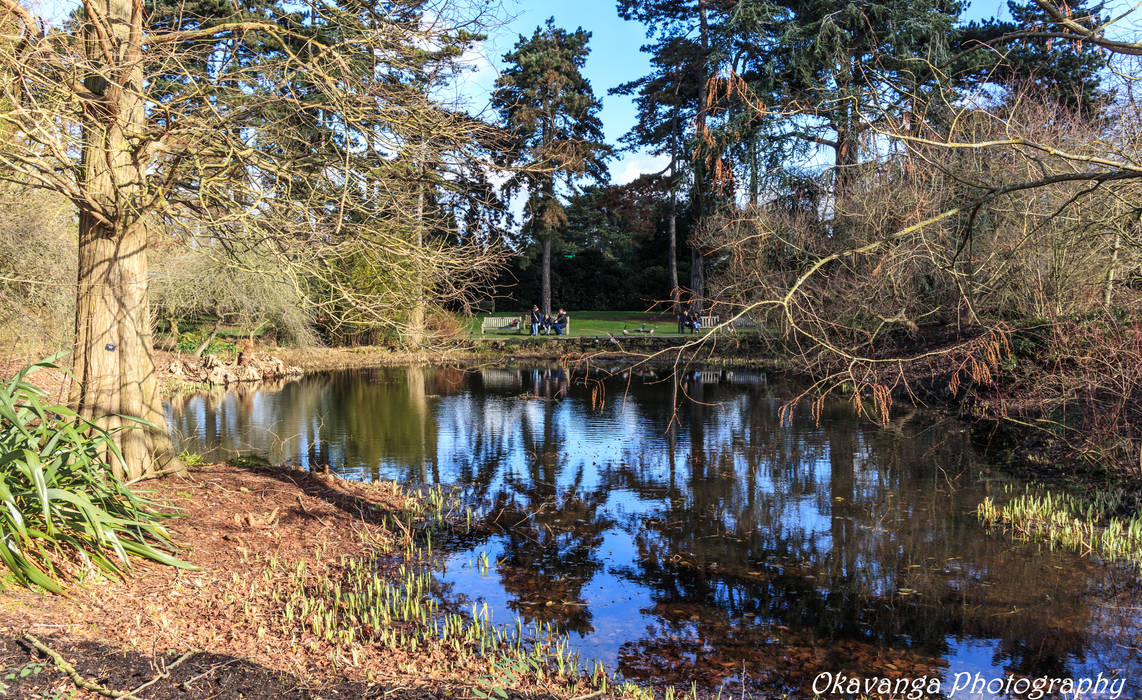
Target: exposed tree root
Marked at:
63, 665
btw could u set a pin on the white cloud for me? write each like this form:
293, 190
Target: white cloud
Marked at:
630, 165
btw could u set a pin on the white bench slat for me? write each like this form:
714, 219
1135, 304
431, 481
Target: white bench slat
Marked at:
498, 322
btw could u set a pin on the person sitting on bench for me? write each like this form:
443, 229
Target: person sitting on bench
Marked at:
559, 322
537, 319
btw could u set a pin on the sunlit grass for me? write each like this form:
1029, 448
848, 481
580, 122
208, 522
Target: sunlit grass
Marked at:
594, 323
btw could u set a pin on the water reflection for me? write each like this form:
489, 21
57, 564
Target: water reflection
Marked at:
679, 531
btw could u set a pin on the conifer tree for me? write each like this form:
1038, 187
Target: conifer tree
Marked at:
544, 100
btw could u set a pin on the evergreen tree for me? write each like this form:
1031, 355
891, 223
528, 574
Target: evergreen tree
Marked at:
1066, 72
829, 67
667, 102
688, 36
544, 100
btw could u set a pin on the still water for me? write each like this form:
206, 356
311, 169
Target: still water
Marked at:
680, 531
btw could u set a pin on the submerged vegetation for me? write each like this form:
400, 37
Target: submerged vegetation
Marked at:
1090, 524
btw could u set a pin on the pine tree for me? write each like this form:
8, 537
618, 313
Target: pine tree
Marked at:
1066, 72
688, 36
831, 67
544, 100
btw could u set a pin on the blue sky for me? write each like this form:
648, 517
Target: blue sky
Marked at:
615, 58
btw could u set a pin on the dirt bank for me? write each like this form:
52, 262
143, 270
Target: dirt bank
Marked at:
248, 530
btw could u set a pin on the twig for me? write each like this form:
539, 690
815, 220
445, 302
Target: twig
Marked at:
207, 672
595, 694
62, 664
165, 673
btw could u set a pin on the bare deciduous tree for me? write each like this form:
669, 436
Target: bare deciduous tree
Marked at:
293, 149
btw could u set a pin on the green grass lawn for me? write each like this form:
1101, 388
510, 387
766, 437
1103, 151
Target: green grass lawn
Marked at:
594, 323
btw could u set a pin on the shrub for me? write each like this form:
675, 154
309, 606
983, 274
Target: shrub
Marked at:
58, 497
225, 350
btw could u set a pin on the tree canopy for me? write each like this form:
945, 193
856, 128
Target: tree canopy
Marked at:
551, 110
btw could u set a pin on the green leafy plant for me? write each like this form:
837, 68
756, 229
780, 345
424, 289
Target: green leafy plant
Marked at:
192, 459
190, 341
58, 497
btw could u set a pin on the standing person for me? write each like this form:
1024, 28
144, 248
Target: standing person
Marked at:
536, 319
560, 322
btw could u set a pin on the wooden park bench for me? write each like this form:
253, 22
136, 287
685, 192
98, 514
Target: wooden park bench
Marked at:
493, 323
742, 322
708, 321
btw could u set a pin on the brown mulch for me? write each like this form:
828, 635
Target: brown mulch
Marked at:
121, 634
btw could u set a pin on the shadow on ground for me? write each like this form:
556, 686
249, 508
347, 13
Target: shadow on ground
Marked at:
28, 673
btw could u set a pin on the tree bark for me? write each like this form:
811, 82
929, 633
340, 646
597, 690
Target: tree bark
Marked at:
672, 233
847, 149
1108, 288
754, 175
209, 339
697, 261
416, 320
697, 278
672, 222
113, 363
545, 293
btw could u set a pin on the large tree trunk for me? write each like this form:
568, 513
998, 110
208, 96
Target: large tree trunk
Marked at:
113, 363
672, 233
545, 293
672, 223
697, 261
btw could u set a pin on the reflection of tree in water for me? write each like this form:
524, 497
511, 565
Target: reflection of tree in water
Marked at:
553, 532
787, 558
790, 550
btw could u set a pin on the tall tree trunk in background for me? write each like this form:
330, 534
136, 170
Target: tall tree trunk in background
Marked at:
672, 233
846, 157
113, 362
754, 176
697, 260
416, 317
545, 293
847, 149
672, 222
1108, 289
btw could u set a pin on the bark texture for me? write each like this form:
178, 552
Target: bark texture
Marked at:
113, 363
545, 302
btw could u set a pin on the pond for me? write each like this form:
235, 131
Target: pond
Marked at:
680, 531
